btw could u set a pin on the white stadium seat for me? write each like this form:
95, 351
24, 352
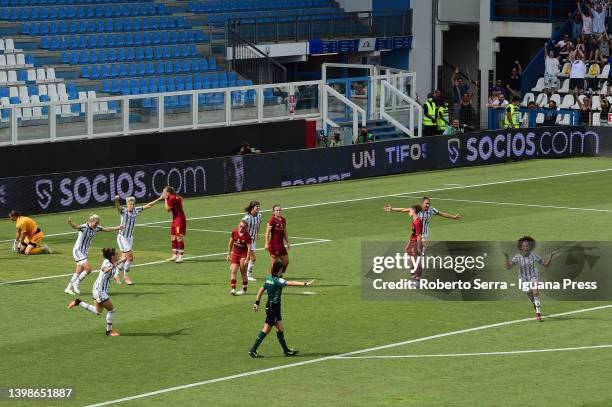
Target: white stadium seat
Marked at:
539, 86
12, 77
40, 75
542, 100
565, 70
5, 101
13, 92
21, 60
556, 98
36, 110
596, 103
567, 103
565, 87
42, 90
2, 61
9, 45
31, 75
61, 89
11, 61
3, 78
605, 72
529, 97
51, 74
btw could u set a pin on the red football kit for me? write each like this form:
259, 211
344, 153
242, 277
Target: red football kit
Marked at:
276, 247
241, 245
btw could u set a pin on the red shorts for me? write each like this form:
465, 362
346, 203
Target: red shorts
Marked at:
236, 257
178, 227
277, 250
412, 248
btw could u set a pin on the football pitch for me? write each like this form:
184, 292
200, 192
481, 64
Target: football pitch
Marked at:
184, 339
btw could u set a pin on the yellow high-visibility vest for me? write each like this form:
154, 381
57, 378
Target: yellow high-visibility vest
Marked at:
429, 109
442, 118
514, 114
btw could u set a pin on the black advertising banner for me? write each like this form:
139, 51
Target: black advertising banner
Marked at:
86, 189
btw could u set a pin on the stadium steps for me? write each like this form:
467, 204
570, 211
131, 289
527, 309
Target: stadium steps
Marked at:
381, 129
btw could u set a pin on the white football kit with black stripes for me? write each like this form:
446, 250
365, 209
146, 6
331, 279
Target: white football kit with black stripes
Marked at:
125, 238
83, 242
102, 283
425, 217
254, 223
528, 272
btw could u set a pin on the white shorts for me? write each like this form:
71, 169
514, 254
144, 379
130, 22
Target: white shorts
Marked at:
100, 296
125, 243
79, 257
525, 284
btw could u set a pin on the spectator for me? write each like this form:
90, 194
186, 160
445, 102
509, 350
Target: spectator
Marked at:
590, 47
438, 97
550, 115
499, 102
514, 84
564, 47
585, 108
551, 70
454, 128
466, 110
587, 23
336, 140
603, 52
246, 148
578, 47
599, 18
512, 116
576, 25
604, 108
499, 88
364, 136
459, 88
577, 72
430, 125
527, 116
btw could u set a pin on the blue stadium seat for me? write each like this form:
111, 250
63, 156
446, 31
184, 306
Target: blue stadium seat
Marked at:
114, 71
106, 86
94, 72
204, 65
148, 53
161, 85
212, 64
132, 69
121, 55
123, 70
169, 67
115, 86
131, 54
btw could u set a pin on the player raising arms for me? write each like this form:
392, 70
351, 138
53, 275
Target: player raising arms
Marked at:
28, 238
529, 274
87, 231
125, 238
415, 245
100, 290
238, 252
274, 286
276, 237
253, 218
178, 228
426, 214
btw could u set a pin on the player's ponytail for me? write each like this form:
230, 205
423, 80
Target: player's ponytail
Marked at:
108, 253
416, 208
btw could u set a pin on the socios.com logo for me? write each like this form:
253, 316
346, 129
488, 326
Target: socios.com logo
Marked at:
454, 146
44, 188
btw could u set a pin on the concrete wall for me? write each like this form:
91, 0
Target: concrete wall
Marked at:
355, 5
464, 11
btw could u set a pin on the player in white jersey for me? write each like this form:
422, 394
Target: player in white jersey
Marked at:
253, 219
527, 261
100, 290
427, 212
125, 238
87, 231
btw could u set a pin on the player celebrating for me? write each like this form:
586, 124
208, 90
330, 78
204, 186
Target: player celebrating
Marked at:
426, 214
125, 238
276, 237
238, 251
274, 286
526, 261
100, 290
415, 245
28, 239
178, 228
253, 218
87, 231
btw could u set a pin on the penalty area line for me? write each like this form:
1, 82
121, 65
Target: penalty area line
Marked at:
452, 355
335, 357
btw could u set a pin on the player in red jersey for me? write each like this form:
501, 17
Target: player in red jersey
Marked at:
238, 252
276, 237
415, 245
178, 228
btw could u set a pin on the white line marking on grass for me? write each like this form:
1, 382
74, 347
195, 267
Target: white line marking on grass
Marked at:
452, 355
510, 181
228, 232
152, 263
333, 357
515, 204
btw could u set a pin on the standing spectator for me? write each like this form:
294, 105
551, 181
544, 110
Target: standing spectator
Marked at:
550, 116
587, 23
514, 84
459, 88
466, 110
590, 47
599, 18
527, 116
564, 47
585, 108
438, 98
551, 70
579, 46
577, 72
499, 88
603, 52
576, 25
429, 116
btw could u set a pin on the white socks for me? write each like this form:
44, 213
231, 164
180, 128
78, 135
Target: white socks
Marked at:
537, 303
250, 267
109, 319
82, 275
126, 267
89, 307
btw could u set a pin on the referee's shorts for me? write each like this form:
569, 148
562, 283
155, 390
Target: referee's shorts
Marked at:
273, 313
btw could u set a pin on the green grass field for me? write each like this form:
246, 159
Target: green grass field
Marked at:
184, 340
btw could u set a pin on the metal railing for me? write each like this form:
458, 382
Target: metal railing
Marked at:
251, 62
303, 27
356, 110
402, 105
537, 11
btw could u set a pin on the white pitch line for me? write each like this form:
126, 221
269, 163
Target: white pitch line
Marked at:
510, 181
334, 357
515, 204
152, 263
452, 355
228, 232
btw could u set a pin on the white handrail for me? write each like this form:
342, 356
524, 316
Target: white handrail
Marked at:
356, 110
414, 106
